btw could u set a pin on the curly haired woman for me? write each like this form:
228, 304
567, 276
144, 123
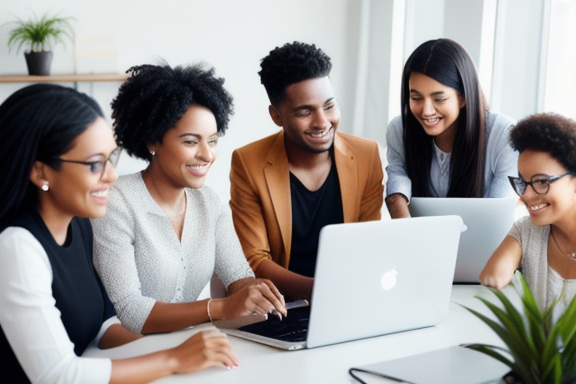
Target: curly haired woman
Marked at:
165, 233
542, 245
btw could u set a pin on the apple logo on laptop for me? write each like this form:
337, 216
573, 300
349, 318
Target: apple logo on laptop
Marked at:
389, 279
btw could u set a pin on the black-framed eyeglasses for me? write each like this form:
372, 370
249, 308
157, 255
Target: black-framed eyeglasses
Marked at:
98, 167
539, 183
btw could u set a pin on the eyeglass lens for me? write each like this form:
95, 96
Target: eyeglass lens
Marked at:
100, 166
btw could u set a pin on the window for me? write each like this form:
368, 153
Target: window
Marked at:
560, 91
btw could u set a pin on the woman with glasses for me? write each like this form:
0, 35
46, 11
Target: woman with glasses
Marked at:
165, 233
446, 143
543, 245
57, 157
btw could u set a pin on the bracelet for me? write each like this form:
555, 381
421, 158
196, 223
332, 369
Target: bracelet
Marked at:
208, 310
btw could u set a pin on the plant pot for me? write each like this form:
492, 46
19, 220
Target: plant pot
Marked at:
39, 62
511, 378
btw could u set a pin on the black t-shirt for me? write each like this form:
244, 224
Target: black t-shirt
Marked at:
76, 288
311, 211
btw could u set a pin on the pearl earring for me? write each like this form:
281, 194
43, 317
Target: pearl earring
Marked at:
153, 153
45, 186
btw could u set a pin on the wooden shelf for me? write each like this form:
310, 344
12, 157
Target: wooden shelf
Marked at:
97, 77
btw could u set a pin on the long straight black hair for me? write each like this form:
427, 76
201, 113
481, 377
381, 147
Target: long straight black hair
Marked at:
449, 63
38, 122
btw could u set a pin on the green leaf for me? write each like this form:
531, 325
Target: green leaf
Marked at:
512, 319
491, 350
550, 359
535, 318
566, 326
40, 34
528, 301
515, 346
566, 323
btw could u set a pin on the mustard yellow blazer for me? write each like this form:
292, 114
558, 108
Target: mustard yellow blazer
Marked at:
260, 192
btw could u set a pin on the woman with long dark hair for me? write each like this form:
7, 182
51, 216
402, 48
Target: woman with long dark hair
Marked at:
57, 157
446, 143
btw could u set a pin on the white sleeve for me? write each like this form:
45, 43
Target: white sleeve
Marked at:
30, 319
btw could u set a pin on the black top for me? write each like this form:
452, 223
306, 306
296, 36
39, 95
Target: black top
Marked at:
76, 288
311, 211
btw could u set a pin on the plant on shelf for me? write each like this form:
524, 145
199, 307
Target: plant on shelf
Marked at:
38, 36
538, 351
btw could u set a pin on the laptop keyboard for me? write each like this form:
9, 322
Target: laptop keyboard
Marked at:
292, 328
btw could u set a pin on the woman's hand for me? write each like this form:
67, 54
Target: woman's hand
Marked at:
204, 350
250, 296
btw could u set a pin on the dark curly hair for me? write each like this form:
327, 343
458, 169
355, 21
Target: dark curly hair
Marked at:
547, 132
289, 64
154, 98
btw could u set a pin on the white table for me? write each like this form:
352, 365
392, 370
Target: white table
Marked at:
330, 364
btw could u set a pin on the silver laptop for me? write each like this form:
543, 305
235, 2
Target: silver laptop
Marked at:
486, 221
453, 365
364, 273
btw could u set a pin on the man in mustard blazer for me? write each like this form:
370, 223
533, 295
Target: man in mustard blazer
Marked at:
287, 186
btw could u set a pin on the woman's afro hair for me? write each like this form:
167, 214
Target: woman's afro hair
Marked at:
154, 98
547, 132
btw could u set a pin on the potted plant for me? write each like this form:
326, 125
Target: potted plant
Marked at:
538, 351
38, 35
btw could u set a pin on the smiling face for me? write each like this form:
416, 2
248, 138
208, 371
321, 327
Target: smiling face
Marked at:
74, 189
309, 115
560, 202
436, 107
187, 151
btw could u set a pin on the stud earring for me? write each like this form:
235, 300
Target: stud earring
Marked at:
153, 153
45, 186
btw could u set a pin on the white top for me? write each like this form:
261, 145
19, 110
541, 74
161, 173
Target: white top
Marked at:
500, 161
140, 259
546, 284
31, 321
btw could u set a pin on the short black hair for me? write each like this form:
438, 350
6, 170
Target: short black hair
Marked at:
154, 98
547, 132
289, 64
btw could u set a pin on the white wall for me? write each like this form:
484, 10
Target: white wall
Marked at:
232, 35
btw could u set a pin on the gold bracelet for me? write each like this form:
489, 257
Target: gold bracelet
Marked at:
208, 310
